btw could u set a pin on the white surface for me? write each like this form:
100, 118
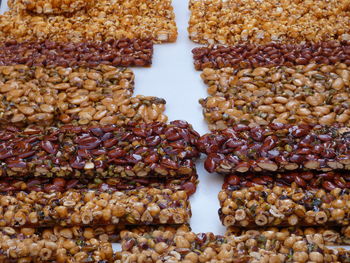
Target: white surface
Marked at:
173, 77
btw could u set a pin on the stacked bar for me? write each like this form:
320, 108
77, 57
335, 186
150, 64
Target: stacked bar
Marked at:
281, 175
278, 77
80, 157
152, 165
67, 191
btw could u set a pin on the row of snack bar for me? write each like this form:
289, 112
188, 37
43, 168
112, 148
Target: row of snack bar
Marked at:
171, 244
81, 157
76, 177
281, 175
277, 74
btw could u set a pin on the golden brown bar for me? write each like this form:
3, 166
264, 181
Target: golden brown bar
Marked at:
332, 236
103, 21
234, 21
146, 206
252, 246
40, 95
311, 94
260, 206
51, 6
56, 244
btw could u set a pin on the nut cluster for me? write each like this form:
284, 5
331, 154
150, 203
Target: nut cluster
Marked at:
103, 21
231, 21
250, 55
311, 94
57, 244
176, 246
271, 245
276, 148
136, 150
49, 6
46, 96
327, 181
93, 208
284, 206
123, 52
186, 183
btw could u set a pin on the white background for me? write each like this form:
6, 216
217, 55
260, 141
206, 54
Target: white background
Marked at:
173, 77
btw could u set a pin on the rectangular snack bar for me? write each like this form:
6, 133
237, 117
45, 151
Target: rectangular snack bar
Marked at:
332, 236
46, 95
122, 52
100, 21
251, 246
250, 55
56, 244
234, 21
145, 206
307, 180
273, 205
48, 7
186, 183
276, 148
311, 94
132, 151
50, 96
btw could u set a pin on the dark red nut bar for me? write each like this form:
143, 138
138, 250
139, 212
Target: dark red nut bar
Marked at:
146, 206
332, 236
259, 206
123, 52
59, 184
56, 244
250, 55
131, 151
306, 180
276, 148
252, 246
